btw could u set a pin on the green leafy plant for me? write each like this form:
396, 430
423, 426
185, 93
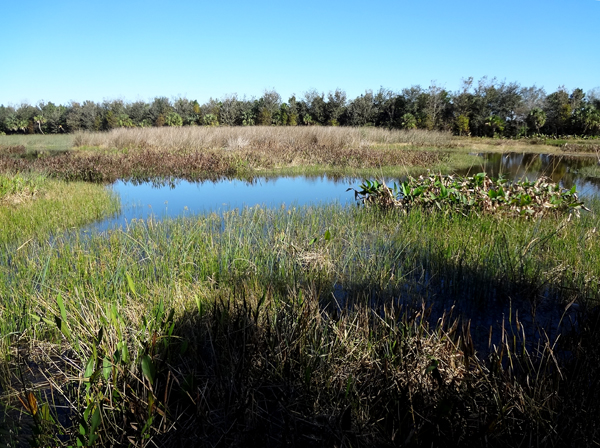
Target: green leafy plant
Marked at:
477, 193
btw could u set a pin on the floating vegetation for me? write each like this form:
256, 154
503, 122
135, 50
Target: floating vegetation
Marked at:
479, 193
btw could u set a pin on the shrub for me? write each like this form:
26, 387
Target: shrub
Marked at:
173, 119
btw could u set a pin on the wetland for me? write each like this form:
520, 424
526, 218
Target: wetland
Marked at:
216, 297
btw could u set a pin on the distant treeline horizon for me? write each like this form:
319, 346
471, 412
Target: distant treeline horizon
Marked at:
487, 108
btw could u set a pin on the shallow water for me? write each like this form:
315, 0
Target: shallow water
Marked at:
141, 201
560, 169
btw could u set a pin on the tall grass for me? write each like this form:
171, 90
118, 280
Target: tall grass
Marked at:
321, 326
258, 137
195, 153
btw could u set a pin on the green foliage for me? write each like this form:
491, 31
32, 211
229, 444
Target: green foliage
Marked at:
34, 206
173, 119
409, 121
536, 119
461, 125
479, 194
491, 107
495, 125
19, 184
210, 120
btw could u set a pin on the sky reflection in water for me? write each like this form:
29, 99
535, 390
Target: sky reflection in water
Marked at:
184, 197
139, 201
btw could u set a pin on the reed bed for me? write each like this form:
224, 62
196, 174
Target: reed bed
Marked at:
260, 137
199, 153
320, 326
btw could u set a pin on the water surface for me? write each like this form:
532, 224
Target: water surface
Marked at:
141, 201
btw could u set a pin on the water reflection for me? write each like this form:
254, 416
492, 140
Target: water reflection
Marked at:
177, 197
560, 169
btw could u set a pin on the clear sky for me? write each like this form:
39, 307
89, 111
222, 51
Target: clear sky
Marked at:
132, 49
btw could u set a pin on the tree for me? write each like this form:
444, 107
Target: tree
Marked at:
210, 120
361, 111
536, 119
158, 110
412, 102
139, 114
292, 111
436, 101
230, 111
586, 119
409, 121
14, 124
462, 100
558, 111
5, 113
185, 109
495, 125
593, 97
173, 119
54, 117
316, 107
212, 107
247, 116
461, 125
267, 108
335, 107
493, 98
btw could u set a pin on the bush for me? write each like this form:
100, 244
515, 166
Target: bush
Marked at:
173, 119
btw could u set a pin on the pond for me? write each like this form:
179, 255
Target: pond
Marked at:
566, 170
183, 197
141, 200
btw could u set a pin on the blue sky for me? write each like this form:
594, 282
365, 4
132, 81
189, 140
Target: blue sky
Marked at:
76, 50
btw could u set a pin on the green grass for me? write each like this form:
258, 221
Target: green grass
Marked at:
18, 187
33, 206
37, 142
290, 318
312, 326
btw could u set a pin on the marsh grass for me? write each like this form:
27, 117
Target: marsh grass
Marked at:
319, 326
33, 206
15, 189
260, 138
199, 153
37, 142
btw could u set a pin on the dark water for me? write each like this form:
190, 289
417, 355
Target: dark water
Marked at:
560, 169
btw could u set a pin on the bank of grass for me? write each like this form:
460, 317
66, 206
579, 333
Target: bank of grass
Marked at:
33, 206
201, 152
198, 153
316, 326
539, 145
39, 142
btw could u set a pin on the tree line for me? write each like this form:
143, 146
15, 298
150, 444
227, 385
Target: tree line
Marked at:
488, 107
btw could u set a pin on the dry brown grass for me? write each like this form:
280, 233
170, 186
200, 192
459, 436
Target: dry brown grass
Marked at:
195, 153
260, 137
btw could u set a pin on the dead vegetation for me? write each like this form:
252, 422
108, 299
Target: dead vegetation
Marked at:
194, 153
